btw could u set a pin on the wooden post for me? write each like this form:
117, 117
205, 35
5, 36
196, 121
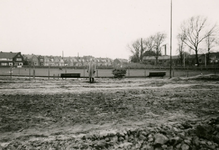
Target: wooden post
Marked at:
187, 72
33, 71
49, 72
10, 72
84, 70
19, 71
29, 71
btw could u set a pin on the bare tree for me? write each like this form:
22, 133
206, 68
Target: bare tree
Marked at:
149, 46
211, 41
181, 39
158, 41
195, 30
137, 49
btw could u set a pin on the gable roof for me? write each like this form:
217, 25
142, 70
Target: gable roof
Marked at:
7, 55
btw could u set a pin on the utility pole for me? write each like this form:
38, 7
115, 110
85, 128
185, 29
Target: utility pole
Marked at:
171, 39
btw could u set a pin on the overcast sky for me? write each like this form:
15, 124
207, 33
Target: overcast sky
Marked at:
101, 28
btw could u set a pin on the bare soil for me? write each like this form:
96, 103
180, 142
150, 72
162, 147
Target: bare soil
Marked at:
149, 113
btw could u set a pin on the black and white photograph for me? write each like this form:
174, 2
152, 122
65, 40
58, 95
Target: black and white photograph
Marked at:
109, 74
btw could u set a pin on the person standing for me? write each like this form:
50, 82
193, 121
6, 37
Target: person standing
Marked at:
91, 70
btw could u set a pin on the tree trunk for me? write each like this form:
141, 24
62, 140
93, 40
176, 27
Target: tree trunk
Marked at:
141, 53
196, 57
181, 58
208, 57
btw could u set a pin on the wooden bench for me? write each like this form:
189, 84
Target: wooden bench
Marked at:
157, 74
70, 75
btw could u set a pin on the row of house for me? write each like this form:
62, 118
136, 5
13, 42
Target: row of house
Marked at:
39, 60
17, 59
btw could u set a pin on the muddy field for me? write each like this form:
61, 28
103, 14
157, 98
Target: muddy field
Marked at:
149, 113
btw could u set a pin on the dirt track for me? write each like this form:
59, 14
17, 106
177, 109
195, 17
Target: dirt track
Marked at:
109, 114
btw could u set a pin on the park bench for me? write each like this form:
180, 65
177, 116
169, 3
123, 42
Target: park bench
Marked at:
157, 74
70, 75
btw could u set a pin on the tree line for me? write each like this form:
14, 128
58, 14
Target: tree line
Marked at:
195, 34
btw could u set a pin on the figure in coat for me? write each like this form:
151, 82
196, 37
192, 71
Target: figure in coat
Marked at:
91, 70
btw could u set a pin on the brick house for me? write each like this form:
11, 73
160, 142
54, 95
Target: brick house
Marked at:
41, 60
31, 59
11, 59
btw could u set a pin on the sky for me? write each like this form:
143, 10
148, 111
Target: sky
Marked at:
100, 28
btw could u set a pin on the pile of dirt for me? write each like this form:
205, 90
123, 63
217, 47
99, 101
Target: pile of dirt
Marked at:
185, 136
209, 77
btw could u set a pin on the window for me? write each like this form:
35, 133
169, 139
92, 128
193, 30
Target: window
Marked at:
18, 59
10, 64
4, 64
20, 64
3, 59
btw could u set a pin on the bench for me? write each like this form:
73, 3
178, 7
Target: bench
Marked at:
70, 75
157, 74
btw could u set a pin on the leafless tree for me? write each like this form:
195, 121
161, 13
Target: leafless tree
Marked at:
181, 39
158, 42
211, 41
151, 45
137, 49
195, 30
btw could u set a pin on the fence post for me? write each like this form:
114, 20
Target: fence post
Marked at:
129, 71
49, 72
201, 70
187, 72
29, 72
34, 71
19, 71
10, 72
84, 70
173, 71
97, 70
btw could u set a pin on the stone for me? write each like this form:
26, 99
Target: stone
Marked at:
148, 147
160, 139
187, 141
209, 143
184, 147
178, 146
150, 138
142, 137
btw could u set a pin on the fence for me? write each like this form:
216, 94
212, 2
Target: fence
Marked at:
55, 72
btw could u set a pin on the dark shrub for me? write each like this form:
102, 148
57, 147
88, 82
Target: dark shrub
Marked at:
119, 72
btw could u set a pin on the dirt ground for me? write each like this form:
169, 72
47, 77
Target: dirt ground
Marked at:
149, 113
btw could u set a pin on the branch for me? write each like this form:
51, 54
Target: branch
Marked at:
189, 45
